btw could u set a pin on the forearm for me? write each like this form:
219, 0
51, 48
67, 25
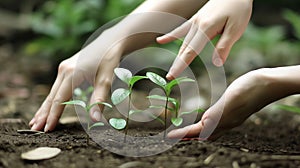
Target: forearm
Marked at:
152, 18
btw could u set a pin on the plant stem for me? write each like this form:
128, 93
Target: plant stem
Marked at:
127, 119
166, 111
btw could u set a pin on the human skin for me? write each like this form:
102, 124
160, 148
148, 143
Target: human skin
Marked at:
245, 96
229, 18
103, 58
100, 57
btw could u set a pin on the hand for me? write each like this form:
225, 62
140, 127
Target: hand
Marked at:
245, 96
93, 64
228, 18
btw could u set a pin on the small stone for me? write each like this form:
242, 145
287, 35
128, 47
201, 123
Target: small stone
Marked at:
41, 153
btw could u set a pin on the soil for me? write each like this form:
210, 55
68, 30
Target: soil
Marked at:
262, 142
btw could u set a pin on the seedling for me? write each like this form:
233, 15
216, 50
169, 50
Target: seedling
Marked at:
177, 119
87, 109
167, 88
120, 94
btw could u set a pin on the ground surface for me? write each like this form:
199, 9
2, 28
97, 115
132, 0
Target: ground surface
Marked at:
258, 143
267, 139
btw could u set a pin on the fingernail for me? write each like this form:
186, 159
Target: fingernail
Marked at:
218, 62
34, 127
169, 77
208, 128
97, 116
32, 121
46, 129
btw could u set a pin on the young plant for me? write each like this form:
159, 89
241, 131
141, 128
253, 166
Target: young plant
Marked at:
167, 88
120, 94
176, 119
87, 109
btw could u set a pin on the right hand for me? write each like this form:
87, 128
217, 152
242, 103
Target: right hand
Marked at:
94, 64
229, 18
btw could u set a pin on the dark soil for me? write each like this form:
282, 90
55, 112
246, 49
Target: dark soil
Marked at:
262, 142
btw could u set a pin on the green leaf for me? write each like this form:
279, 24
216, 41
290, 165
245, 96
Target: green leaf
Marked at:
170, 99
175, 82
157, 97
194, 111
119, 95
76, 102
77, 92
134, 79
294, 20
162, 107
117, 123
124, 74
155, 117
131, 112
103, 103
155, 78
176, 121
288, 108
97, 124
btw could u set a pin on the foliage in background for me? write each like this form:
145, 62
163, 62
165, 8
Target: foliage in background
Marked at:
64, 25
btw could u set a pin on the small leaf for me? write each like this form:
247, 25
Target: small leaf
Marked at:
157, 97
170, 99
155, 117
76, 102
176, 121
119, 95
117, 123
124, 74
194, 111
103, 103
288, 108
162, 107
155, 78
134, 79
77, 92
131, 112
175, 82
89, 90
97, 124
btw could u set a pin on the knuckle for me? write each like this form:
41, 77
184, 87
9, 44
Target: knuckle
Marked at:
65, 67
205, 24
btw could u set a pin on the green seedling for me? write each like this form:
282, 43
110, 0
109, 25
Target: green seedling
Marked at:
288, 108
176, 119
83, 94
120, 94
87, 109
167, 88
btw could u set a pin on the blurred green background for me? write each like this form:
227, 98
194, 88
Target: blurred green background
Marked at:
54, 30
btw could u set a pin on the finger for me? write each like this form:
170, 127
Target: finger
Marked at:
177, 33
64, 93
102, 88
188, 131
188, 54
39, 119
222, 49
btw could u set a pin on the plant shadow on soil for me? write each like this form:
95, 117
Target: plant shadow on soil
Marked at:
271, 143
